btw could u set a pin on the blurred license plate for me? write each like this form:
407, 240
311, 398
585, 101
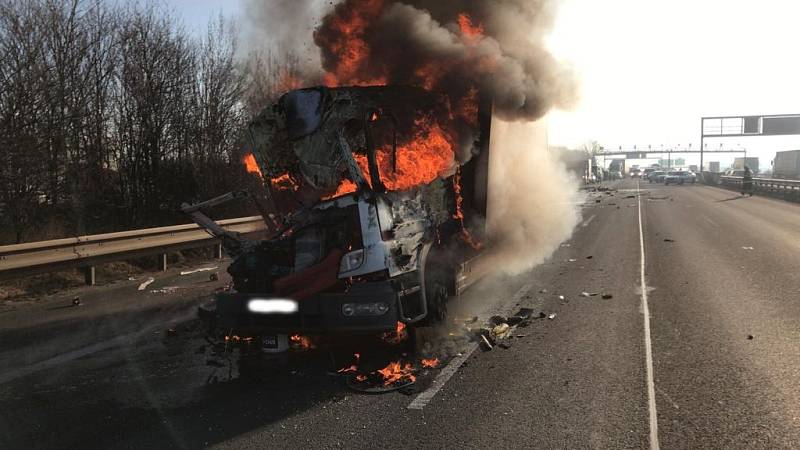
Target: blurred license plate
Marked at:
270, 342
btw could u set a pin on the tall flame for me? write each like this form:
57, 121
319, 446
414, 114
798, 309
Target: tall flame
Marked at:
250, 164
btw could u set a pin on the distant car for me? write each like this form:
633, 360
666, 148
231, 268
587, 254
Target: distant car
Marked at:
679, 177
635, 173
647, 172
657, 176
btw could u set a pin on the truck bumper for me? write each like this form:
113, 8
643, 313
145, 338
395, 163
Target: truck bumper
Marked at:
319, 314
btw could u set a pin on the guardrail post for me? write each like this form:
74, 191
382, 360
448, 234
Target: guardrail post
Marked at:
218, 251
88, 275
162, 262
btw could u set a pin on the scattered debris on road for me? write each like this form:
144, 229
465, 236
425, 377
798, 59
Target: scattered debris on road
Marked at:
501, 331
144, 285
588, 294
213, 277
165, 290
750, 337
571, 260
561, 297
76, 301
748, 248
607, 296
552, 316
669, 240
171, 332
589, 257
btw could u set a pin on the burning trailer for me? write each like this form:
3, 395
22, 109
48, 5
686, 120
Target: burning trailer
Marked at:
375, 199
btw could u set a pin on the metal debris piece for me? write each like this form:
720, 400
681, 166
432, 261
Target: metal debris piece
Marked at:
748, 248
607, 296
213, 277
589, 257
668, 240
486, 344
542, 315
501, 331
552, 316
171, 332
572, 260
202, 269
750, 337
630, 196
588, 294
144, 285
76, 301
561, 297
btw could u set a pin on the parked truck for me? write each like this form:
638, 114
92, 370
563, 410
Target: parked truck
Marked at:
751, 162
787, 165
363, 237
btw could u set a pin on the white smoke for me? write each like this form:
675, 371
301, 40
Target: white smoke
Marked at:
534, 202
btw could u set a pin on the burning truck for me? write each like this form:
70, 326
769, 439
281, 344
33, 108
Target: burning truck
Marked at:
375, 202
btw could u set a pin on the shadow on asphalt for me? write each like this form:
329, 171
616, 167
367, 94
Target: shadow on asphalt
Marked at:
164, 395
730, 199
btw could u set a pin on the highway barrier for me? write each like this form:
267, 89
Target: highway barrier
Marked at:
85, 252
785, 189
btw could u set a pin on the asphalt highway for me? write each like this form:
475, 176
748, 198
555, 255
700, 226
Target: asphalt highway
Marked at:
722, 289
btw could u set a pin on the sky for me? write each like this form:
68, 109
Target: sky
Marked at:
650, 69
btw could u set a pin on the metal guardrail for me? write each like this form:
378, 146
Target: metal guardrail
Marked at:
87, 251
787, 189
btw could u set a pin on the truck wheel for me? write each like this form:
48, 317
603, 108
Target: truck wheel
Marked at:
437, 304
436, 296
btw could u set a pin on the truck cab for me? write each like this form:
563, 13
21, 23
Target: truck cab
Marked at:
362, 258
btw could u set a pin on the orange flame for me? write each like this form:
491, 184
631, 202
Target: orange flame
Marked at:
430, 363
397, 336
459, 214
396, 371
353, 367
427, 156
302, 342
351, 49
284, 183
471, 32
250, 164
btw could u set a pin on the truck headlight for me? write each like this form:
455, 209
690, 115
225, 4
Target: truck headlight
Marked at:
272, 306
365, 309
351, 261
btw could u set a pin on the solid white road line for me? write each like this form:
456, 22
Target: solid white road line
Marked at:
588, 221
648, 345
421, 400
